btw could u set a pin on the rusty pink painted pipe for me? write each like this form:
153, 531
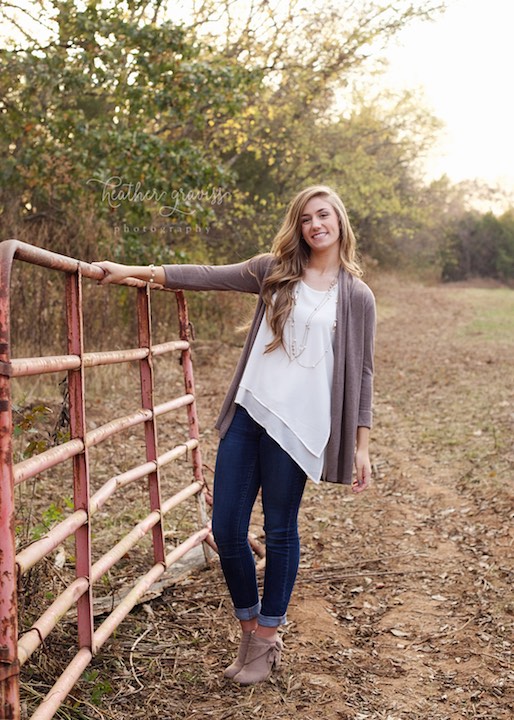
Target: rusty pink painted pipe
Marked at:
144, 583
48, 459
177, 451
74, 670
121, 548
62, 687
27, 469
170, 346
9, 668
189, 385
175, 404
24, 367
35, 552
77, 450
32, 639
77, 412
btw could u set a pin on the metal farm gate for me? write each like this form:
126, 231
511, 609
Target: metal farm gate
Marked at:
14, 650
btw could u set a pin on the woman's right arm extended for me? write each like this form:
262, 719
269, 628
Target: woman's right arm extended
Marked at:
116, 272
246, 276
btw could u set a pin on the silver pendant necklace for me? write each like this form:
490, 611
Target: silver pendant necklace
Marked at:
297, 349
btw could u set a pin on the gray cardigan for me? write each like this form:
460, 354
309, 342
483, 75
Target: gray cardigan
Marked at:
352, 385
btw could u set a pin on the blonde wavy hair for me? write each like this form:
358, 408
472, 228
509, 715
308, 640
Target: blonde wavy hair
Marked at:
292, 256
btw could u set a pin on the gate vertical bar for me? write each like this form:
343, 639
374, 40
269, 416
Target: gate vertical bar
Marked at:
80, 461
9, 666
185, 330
147, 398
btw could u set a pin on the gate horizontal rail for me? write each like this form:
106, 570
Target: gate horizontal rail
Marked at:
23, 367
47, 459
62, 687
49, 619
14, 651
36, 551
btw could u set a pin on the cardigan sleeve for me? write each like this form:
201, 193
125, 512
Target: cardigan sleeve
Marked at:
246, 276
366, 394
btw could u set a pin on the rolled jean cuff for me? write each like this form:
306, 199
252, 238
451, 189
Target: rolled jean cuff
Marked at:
248, 613
271, 621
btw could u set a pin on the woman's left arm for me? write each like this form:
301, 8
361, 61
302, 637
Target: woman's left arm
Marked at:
366, 392
362, 461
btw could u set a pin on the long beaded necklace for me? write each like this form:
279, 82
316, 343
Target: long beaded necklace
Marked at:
296, 349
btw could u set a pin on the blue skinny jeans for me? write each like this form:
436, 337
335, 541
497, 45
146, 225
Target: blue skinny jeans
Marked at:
248, 460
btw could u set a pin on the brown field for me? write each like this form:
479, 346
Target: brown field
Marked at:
403, 608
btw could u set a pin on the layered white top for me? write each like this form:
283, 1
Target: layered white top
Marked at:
288, 390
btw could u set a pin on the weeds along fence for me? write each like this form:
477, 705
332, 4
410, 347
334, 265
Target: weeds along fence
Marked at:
14, 650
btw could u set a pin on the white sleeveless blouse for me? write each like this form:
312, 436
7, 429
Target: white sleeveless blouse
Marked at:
288, 390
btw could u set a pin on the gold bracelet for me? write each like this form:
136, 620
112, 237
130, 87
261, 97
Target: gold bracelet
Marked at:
152, 273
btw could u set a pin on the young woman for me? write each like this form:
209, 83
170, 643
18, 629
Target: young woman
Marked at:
299, 404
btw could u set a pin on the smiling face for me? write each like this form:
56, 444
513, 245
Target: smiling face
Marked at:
320, 226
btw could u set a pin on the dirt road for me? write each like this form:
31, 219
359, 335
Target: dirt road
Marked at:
404, 607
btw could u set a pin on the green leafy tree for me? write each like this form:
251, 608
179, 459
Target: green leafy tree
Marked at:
306, 126
114, 114
479, 245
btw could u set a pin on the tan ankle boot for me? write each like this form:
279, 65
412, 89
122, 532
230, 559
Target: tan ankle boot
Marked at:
241, 655
261, 657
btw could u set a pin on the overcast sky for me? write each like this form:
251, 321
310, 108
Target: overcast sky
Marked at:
464, 60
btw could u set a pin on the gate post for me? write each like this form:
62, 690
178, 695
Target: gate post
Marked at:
9, 665
186, 333
81, 461
144, 318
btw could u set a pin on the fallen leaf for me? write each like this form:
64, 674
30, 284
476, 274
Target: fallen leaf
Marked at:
399, 633
60, 557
